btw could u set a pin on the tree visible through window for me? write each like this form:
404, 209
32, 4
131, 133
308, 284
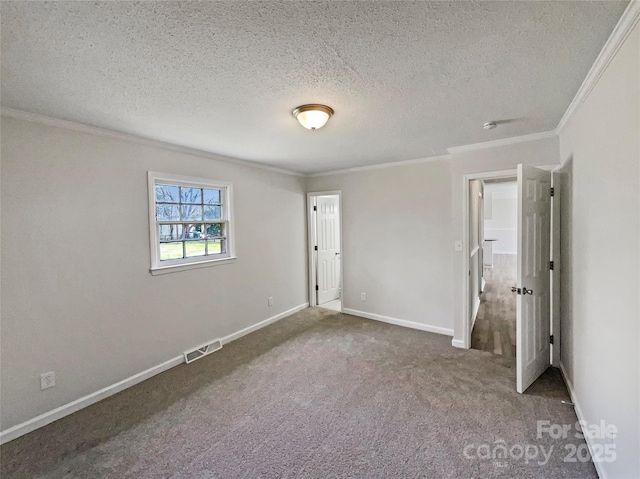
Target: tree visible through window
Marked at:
191, 221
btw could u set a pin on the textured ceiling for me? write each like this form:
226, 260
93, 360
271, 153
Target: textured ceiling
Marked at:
406, 80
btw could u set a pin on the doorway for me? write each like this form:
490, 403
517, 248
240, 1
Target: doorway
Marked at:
494, 324
536, 287
325, 249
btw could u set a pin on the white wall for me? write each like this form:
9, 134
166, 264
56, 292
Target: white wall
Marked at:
501, 216
534, 153
77, 296
397, 244
600, 150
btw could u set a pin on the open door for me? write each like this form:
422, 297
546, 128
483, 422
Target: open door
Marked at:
534, 278
328, 241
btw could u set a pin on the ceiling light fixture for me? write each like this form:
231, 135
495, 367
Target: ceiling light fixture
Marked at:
313, 115
490, 125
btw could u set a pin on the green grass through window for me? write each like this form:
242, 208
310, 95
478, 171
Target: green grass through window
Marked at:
193, 249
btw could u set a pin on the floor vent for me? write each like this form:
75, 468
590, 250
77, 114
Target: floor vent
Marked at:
201, 351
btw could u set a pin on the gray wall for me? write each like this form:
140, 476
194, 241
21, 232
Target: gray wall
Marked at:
400, 224
600, 150
77, 296
397, 240
507, 157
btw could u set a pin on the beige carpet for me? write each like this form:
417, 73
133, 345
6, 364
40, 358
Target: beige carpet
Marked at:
316, 395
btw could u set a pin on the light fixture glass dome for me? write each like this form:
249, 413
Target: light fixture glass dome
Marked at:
313, 116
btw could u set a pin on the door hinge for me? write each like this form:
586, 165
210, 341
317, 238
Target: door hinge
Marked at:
551, 265
551, 339
317, 287
315, 208
316, 248
552, 190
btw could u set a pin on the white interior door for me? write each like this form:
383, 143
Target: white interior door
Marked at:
328, 242
534, 279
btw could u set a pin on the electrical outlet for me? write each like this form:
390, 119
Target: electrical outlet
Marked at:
47, 380
363, 296
270, 301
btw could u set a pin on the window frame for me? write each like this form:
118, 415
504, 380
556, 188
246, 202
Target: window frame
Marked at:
226, 195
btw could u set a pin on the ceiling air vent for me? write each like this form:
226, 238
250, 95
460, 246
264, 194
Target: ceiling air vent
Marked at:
201, 351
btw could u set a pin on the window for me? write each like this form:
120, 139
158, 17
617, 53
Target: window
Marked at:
190, 222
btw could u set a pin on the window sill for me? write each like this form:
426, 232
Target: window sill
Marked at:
174, 268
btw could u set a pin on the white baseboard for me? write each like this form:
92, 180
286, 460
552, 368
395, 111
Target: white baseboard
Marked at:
458, 343
262, 324
69, 408
74, 406
400, 322
576, 406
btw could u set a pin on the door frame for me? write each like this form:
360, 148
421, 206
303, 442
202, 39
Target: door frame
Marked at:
311, 236
555, 238
467, 324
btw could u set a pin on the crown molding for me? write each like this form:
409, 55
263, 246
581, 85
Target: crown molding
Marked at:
94, 130
453, 150
502, 142
379, 166
622, 30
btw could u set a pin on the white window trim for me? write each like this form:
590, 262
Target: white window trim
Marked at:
157, 267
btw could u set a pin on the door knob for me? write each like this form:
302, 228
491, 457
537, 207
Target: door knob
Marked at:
522, 291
